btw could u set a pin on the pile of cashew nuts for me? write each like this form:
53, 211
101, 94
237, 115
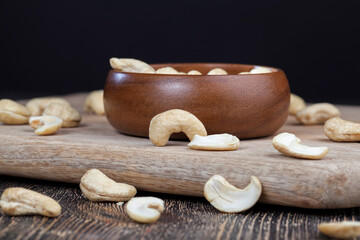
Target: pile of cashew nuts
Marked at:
137, 66
47, 115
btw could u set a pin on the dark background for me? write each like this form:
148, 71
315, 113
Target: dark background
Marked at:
57, 47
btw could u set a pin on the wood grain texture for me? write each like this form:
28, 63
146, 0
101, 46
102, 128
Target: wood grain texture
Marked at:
176, 169
183, 218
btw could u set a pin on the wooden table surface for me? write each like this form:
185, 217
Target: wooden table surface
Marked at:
183, 218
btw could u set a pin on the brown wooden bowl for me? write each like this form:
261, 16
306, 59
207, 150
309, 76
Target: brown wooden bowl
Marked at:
248, 106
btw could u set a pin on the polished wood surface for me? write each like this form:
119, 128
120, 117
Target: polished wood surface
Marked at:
183, 218
176, 169
248, 106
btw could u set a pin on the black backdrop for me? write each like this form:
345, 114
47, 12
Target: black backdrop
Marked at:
56, 47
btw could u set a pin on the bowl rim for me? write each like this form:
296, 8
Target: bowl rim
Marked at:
154, 65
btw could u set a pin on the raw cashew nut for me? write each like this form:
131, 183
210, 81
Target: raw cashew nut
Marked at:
70, 117
227, 198
145, 209
13, 113
289, 145
174, 121
220, 142
340, 130
167, 70
217, 71
317, 114
95, 102
131, 65
21, 201
96, 186
194, 72
45, 125
257, 70
37, 105
344, 229
296, 104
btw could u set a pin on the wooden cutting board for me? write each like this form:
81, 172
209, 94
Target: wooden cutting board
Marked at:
329, 183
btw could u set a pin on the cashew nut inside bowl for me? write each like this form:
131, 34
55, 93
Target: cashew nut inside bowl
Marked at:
217, 71
194, 72
167, 70
131, 65
290, 145
257, 69
174, 121
227, 198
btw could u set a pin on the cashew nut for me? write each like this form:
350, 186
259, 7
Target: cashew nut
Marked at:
96, 186
344, 229
289, 145
257, 70
217, 71
219, 142
45, 125
13, 113
194, 72
174, 121
340, 130
37, 105
70, 117
227, 198
95, 102
317, 114
167, 70
21, 201
131, 65
145, 209
296, 104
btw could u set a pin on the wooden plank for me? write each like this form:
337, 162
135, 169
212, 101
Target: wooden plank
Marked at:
176, 169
